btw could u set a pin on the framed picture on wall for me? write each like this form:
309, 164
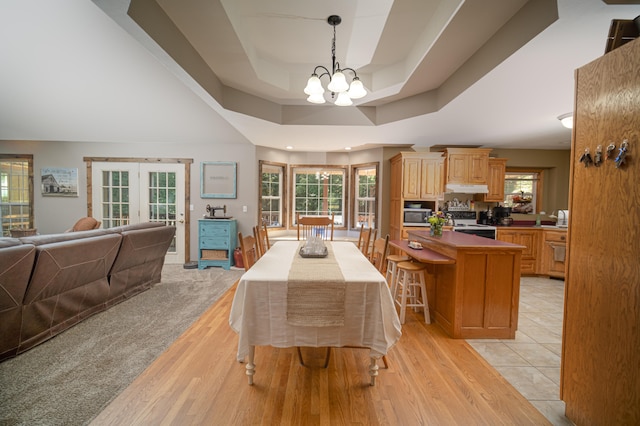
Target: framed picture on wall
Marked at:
59, 182
218, 179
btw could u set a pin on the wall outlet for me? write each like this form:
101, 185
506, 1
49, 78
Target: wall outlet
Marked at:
244, 209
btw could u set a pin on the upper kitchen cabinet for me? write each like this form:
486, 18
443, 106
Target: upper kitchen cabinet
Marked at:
467, 166
496, 168
422, 175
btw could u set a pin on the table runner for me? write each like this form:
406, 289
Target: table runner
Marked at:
317, 302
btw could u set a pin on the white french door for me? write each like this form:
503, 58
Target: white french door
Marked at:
124, 193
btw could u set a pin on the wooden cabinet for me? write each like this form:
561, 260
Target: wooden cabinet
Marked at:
217, 238
553, 253
422, 176
467, 166
415, 176
496, 168
528, 237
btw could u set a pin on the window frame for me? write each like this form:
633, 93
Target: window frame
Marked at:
28, 158
537, 187
319, 167
283, 195
354, 188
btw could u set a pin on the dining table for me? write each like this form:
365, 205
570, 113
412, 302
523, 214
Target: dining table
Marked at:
338, 300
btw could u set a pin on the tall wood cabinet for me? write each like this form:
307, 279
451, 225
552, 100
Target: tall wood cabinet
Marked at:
415, 176
600, 379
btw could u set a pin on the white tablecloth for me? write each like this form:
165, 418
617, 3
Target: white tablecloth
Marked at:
259, 309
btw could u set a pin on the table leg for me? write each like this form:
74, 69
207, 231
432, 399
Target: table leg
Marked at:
373, 370
251, 367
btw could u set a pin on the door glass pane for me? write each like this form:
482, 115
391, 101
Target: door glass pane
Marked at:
162, 200
115, 198
16, 195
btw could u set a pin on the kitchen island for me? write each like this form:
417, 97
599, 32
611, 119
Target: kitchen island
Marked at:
477, 296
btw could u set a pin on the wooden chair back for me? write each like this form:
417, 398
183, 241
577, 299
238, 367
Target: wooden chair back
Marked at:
249, 250
367, 235
256, 236
320, 226
262, 238
379, 253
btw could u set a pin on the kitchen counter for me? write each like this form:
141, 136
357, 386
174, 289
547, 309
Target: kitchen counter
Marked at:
476, 297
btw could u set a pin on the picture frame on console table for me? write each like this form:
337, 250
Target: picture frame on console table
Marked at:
218, 179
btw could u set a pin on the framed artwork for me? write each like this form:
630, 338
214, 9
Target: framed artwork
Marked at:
58, 182
217, 179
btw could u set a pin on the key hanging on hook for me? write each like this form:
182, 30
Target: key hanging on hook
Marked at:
621, 158
586, 158
597, 159
610, 150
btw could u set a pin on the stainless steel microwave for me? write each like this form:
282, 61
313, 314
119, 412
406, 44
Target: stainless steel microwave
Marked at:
416, 217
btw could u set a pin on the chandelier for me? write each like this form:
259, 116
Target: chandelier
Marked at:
338, 84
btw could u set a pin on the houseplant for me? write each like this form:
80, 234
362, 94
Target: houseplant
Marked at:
436, 221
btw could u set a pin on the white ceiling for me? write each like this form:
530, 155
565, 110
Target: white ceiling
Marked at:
492, 73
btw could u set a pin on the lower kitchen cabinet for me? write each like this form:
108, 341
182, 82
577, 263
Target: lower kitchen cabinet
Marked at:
528, 237
554, 253
217, 238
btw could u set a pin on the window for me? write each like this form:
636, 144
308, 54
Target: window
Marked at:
319, 191
16, 192
522, 190
272, 184
365, 195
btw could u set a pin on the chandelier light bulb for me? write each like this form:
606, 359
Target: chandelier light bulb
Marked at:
314, 86
357, 90
338, 83
316, 98
343, 99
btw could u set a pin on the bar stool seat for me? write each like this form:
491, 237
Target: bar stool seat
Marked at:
392, 270
411, 289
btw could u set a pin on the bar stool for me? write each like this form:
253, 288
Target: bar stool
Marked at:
392, 270
411, 284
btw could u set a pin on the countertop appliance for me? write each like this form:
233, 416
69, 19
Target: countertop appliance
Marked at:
563, 218
416, 217
502, 216
465, 222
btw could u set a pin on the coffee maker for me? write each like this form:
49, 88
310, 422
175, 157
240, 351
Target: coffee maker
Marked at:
502, 216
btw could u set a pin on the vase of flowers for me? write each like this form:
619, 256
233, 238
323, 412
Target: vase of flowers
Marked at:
436, 221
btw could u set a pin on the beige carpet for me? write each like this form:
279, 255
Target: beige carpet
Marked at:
69, 379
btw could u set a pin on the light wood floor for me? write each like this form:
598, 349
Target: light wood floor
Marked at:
431, 379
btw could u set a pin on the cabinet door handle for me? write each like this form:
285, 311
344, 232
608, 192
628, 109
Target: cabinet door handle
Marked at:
563, 238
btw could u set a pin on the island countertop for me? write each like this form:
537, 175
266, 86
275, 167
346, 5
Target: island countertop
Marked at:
461, 240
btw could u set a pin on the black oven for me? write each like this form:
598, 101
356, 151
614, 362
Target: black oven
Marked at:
488, 232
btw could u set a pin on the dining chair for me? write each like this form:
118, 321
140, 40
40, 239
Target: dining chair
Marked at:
262, 238
256, 236
249, 250
364, 241
315, 226
379, 253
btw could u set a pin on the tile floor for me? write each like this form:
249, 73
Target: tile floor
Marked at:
531, 362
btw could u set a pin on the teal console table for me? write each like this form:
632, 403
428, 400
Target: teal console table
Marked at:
217, 238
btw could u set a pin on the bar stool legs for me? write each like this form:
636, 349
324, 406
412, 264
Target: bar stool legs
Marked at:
410, 290
392, 270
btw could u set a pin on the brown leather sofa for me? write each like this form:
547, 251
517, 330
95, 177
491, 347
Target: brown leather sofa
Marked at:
48, 283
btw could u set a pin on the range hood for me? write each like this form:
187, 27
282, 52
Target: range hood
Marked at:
457, 188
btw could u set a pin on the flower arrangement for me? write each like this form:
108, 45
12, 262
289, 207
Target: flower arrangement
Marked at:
436, 221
